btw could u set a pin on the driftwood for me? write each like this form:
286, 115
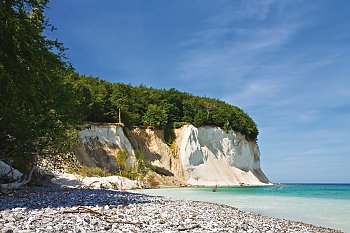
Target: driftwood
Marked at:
9, 187
83, 209
101, 215
189, 228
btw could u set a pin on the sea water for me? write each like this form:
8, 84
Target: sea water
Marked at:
325, 205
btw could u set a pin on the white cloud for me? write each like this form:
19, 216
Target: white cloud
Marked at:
243, 10
233, 54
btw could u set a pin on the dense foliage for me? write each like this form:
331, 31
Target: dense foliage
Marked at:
37, 104
143, 106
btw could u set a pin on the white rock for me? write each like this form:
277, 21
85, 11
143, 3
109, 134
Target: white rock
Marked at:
111, 136
210, 156
109, 182
8, 171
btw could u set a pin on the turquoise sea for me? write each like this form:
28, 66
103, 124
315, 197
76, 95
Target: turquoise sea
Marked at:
321, 204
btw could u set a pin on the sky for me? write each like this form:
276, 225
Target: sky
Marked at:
285, 63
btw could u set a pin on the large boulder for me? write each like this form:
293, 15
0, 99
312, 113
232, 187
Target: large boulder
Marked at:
8, 173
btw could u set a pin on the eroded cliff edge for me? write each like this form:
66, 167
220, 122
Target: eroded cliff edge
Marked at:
203, 156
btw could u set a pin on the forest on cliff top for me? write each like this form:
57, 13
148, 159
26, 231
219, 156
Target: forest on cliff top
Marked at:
43, 99
99, 101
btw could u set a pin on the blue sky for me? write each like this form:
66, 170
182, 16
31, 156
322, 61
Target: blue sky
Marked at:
286, 63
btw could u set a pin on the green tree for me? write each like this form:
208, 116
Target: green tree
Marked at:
37, 101
155, 116
200, 118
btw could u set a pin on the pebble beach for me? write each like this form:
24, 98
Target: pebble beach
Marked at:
98, 210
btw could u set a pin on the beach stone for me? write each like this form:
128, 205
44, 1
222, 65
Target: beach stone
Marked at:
7, 230
108, 227
94, 222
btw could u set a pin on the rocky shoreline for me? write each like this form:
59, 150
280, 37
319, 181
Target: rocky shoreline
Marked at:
97, 210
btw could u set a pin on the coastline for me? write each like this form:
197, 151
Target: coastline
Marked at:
97, 210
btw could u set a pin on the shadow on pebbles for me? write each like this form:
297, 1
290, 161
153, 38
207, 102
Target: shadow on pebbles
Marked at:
97, 210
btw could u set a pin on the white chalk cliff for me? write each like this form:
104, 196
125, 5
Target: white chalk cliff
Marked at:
200, 156
211, 156
99, 144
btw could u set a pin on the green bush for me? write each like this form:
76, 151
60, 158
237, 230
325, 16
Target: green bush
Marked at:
120, 160
169, 135
140, 164
91, 171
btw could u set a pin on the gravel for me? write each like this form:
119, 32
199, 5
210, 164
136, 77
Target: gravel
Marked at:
94, 210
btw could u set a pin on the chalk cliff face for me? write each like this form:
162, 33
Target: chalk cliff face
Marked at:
199, 156
99, 144
211, 156
151, 143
